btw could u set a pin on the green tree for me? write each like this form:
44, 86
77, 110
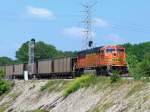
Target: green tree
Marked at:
22, 53
132, 63
42, 51
144, 66
138, 59
5, 61
138, 50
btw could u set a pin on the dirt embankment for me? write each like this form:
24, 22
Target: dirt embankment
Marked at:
33, 96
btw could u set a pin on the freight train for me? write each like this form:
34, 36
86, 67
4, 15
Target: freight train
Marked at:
101, 59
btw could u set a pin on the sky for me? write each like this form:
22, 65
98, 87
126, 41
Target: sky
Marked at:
59, 22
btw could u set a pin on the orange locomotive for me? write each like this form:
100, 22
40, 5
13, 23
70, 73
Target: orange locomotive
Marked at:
104, 59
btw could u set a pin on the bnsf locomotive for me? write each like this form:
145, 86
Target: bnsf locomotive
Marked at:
102, 59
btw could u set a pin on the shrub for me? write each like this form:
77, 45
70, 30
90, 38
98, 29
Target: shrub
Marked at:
142, 69
115, 76
4, 86
2, 74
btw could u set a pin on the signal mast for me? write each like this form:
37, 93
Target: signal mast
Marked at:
31, 56
87, 22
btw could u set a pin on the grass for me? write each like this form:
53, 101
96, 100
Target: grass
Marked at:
14, 95
55, 85
4, 106
92, 81
136, 88
146, 98
2, 109
103, 107
81, 82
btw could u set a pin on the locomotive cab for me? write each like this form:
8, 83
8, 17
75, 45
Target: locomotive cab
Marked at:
115, 58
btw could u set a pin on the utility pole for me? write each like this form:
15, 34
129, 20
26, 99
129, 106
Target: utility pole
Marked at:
31, 56
87, 29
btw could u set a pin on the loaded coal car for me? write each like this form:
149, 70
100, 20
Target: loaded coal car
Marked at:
64, 67
45, 68
9, 71
18, 71
56, 68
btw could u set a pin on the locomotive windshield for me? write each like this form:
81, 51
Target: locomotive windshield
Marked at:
120, 50
110, 50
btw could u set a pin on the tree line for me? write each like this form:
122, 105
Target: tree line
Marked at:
42, 51
138, 59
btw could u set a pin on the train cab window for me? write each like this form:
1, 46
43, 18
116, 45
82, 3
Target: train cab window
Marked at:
120, 50
110, 50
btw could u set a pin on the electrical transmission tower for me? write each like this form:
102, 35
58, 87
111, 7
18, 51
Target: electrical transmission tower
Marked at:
31, 56
87, 29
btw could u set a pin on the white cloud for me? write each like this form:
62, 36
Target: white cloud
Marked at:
101, 23
39, 12
75, 32
114, 38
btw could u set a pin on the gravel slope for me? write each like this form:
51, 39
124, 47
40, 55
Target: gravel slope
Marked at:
131, 96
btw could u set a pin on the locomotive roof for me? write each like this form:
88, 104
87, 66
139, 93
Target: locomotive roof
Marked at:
92, 50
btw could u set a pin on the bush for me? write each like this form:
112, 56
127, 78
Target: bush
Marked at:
2, 74
115, 76
4, 86
142, 68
